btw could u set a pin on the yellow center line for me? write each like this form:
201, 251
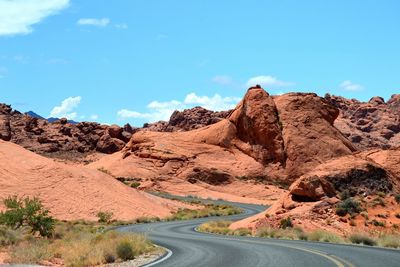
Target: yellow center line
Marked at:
339, 262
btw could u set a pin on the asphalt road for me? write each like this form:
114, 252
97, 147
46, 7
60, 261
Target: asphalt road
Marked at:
190, 248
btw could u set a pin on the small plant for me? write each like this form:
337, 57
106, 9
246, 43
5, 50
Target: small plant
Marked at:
365, 215
28, 212
103, 170
380, 194
286, 223
348, 206
104, 216
125, 251
379, 201
324, 236
344, 195
109, 258
397, 215
135, 184
378, 223
397, 198
362, 239
390, 241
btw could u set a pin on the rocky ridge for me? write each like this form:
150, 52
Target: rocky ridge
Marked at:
61, 137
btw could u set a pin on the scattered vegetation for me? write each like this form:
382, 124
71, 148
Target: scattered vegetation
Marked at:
348, 206
324, 236
27, 212
105, 216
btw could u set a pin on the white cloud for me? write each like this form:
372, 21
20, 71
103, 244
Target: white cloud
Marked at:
103, 22
94, 117
267, 81
122, 26
18, 16
350, 86
66, 108
163, 110
222, 79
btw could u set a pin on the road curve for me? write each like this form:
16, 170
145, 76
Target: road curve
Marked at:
190, 248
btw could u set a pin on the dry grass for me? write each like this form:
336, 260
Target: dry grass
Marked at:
78, 245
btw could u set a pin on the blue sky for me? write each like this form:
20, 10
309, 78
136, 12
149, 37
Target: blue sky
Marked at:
136, 61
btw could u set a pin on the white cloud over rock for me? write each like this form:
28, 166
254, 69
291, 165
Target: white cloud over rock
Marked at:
66, 109
18, 16
162, 110
267, 82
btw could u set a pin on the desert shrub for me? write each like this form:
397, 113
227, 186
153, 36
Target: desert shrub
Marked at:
125, 251
345, 195
378, 201
381, 194
286, 223
348, 206
397, 215
365, 215
359, 238
217, 227
135, 184
28, 212
147, 219
397, 198
389, 241
242, 232
109, 258
104, 216
378, 223
288, 233
324, 236
34, 251
8, 236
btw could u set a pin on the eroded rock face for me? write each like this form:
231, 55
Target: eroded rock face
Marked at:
257, 124
353, 173
308, 133
43, 137
372, 124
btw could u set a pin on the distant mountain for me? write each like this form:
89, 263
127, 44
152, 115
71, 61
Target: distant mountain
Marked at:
34, 115
51, 119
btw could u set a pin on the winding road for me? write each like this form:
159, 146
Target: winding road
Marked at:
187, 247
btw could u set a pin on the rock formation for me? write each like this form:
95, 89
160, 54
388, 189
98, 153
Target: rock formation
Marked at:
372, 124
60, 137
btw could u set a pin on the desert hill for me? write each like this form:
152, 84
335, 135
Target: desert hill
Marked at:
72, 192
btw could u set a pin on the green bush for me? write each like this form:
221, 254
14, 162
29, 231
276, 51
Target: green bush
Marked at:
362, 239
104, 216
286, 223
125, 251
28, 212
348, 206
